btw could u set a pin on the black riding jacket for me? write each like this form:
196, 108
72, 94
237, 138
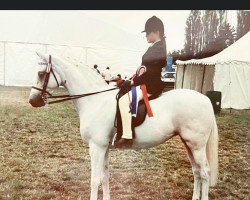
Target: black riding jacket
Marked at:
154, 59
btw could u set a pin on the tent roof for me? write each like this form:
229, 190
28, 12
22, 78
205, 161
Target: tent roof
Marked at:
71, 28
238, 51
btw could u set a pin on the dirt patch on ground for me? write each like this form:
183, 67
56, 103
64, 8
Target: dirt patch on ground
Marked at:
14, 96
43, 157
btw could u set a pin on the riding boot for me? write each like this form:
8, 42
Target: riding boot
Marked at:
127, 136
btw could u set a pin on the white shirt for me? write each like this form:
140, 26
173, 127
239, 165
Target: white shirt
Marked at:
107, 75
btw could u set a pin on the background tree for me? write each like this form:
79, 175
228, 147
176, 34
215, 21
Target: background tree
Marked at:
177, 55
243, 23
207, 33
193, 27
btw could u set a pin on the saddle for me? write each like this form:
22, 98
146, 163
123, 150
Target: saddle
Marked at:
141, 110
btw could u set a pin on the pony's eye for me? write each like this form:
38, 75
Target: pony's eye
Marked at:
41, 74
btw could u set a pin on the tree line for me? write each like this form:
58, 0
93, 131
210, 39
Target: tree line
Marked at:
208, 32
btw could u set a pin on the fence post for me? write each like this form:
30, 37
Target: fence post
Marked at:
86, 56
46, 48
4, 53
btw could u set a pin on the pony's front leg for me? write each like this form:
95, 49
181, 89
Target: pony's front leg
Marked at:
105, 180
98, 155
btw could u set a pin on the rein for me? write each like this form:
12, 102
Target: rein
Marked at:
44, 93
70, 97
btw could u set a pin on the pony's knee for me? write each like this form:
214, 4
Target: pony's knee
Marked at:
196, 173
204, 175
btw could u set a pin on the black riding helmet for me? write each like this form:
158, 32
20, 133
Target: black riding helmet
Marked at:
154, 24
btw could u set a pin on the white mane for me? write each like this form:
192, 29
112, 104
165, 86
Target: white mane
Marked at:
83, 72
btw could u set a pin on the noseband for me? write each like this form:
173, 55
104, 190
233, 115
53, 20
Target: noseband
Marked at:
44, 92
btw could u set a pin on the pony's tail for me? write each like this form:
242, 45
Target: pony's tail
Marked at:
212, 153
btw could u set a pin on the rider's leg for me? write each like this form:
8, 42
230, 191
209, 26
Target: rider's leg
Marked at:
124, 105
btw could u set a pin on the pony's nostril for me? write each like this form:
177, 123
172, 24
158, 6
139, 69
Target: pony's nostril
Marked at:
31, 101
36, 101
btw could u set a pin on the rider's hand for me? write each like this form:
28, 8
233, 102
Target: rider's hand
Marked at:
132, 82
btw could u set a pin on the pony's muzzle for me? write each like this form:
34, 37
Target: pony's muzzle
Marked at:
36, 101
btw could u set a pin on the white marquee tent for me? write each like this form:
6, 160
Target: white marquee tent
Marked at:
227, 72
72, 35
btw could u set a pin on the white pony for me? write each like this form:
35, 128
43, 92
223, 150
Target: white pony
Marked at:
182, 112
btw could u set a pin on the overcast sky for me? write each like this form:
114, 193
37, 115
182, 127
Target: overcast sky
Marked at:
133, 21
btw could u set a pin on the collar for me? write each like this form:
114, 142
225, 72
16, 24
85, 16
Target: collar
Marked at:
155, 42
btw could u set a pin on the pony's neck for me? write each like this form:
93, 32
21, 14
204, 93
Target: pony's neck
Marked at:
79, 81
85, 81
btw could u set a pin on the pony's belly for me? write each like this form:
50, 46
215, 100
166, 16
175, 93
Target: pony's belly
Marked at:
147, 137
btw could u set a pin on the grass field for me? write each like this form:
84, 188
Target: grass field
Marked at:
43, 157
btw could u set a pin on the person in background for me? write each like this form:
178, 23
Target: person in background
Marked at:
97, 70
107, 75
118, 79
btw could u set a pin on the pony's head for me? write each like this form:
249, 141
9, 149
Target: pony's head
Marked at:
47, 78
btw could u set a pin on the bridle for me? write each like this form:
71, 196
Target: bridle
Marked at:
45, 94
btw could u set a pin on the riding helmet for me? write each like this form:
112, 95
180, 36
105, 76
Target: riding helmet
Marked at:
154, 24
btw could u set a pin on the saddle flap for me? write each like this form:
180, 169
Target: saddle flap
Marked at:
141, 114
136, 121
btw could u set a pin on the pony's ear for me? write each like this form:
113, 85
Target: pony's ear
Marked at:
42, 56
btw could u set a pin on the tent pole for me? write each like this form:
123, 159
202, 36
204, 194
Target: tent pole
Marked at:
190, 83
230, 88
204, 70
176, 72
86, 56
184, 67
4, 44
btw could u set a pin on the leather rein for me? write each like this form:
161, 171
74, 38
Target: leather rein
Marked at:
45, 94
